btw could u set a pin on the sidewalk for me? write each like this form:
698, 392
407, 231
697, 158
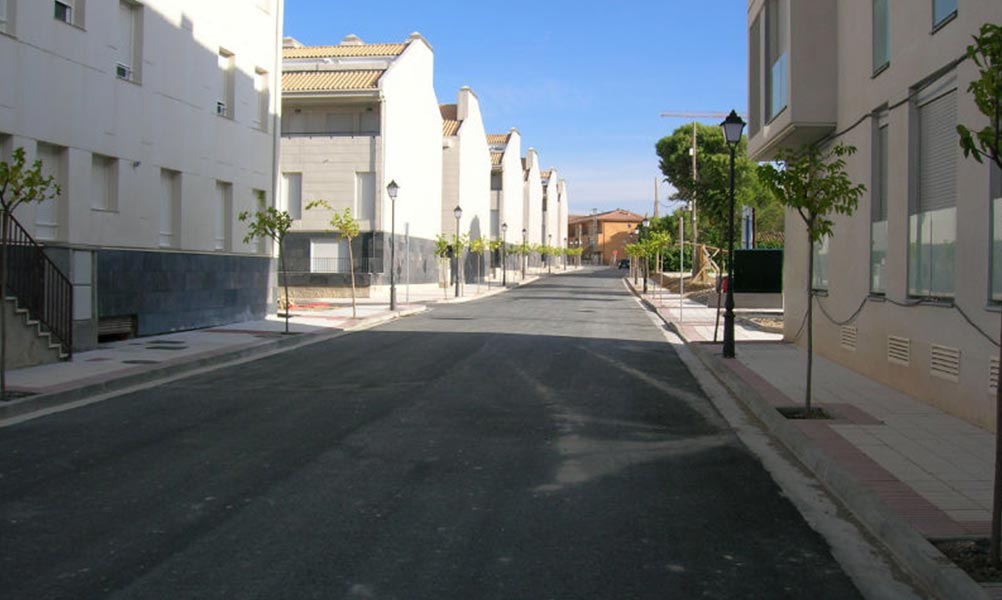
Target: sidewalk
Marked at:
907, 470
118, 365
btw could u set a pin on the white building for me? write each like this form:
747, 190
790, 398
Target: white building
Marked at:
358, 116
910, 286
507, 187
158, 120
532, 204
562, 208
466, 168
550, 181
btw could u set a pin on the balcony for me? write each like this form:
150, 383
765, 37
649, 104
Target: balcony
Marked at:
792, 72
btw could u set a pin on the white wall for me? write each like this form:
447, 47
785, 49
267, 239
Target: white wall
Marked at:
62, 89
532, 217
551, 217
412, 137
562, 212
513, 188
474, 168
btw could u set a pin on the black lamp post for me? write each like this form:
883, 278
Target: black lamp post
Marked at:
504, 254
458, 213
392, 190
732, 126
646, 223
525, 253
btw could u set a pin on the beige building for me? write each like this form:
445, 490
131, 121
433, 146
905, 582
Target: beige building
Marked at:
158, 120
909, 287
603, 236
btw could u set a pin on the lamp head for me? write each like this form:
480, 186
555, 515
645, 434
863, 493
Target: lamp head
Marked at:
457, 212
732, 126
392, 188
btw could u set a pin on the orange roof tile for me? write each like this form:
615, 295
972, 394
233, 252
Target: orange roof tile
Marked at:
500, 139
496, 158
618, 216
450, 120
345, 51
330, 81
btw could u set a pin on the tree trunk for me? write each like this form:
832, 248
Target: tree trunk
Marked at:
281, 265
351, 268
480, 259
810, 325
4, 226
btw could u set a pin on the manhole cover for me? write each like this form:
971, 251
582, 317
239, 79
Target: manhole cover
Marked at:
141, 361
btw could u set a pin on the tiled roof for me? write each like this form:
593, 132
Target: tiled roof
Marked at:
330, 81
500, 139
617, 216
496, 158
450, 120
546, 174
345, 51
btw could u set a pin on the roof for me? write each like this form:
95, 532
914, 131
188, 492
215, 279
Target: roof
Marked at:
450, 119
500, 139
616, 216
344, 51
326, 81
496, 158
546, 174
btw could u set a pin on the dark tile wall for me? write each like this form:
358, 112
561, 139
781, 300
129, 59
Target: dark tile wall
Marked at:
373, 247
173, 291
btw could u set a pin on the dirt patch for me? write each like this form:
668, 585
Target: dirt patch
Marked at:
973, 557
771, 324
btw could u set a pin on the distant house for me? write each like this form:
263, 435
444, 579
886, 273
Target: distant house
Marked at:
603, 236
507, 185
357, 116
910, 285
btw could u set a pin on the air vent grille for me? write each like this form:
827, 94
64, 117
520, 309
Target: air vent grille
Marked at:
847, 337
944, 362
899, 350
993, 373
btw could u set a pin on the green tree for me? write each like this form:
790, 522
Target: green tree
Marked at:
442, 248
20, 184
346, 228
813, 182
478, 247
712, 186
272, 224
986, 53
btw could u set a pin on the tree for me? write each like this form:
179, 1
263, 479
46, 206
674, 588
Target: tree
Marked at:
443, 250
986, 53
711, 190
19, 185
272, 224
813, 182
478, 247
346, 228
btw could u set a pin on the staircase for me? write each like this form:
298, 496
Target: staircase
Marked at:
39, 298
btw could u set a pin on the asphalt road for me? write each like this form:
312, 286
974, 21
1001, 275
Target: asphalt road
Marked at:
544, 443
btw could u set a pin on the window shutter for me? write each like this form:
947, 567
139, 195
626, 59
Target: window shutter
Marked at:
938, 153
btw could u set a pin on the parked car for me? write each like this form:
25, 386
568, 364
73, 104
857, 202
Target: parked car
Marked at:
624, 263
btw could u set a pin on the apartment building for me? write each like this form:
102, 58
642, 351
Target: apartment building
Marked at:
551, 235
507, 185
158, 120
909, 286
358, 116
532, 204
603, 236
466, 168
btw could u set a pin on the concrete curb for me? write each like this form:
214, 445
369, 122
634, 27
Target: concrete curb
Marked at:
180, 366
910, 549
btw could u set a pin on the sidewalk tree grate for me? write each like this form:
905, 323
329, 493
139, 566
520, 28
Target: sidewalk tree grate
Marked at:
141, 361
798, 412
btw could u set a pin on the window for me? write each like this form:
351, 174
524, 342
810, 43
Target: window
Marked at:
328, 256
47, 213
292, 194
223, 222
104, 183
777, 37
365, 196
6, 8
368, 121
340, 122
943, 11
70, 12
878, 208
170, 208
227, 73
128, 45
996, 258
881, 35
263, 99
821, 266
932, 223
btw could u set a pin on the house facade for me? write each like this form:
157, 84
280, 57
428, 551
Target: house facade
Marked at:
158, 121
910, 285
466, 168
603, 236
551, 235
532, 204
359, 116
507, 185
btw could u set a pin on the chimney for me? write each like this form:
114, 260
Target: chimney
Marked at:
352, 40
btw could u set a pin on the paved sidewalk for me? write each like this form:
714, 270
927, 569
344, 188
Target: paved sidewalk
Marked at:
899, 461
116, 365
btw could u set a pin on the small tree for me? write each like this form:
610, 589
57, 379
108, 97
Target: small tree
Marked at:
813, 182
442, 248
494, 247
19, 184
478, 247
986, 52
347, 229
272, 224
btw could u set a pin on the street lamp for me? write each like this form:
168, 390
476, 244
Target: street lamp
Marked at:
732, 126
392, 189
504, 254
458, 213
525, 252
646, 223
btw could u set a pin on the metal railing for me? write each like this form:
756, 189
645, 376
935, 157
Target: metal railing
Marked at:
39, 286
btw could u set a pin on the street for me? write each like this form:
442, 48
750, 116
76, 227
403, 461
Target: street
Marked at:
542, 443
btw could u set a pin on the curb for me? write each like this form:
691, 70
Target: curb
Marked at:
215, 358
911, 551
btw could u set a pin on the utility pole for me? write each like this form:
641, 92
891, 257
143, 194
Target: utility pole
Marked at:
694, 115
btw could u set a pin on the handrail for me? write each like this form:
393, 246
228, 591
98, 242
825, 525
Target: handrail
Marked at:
38, 285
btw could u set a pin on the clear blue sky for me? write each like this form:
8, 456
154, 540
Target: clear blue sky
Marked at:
583, 82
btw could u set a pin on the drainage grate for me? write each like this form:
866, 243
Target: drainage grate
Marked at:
141, 361
899, 350
847, 337
993, 373
944, 362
